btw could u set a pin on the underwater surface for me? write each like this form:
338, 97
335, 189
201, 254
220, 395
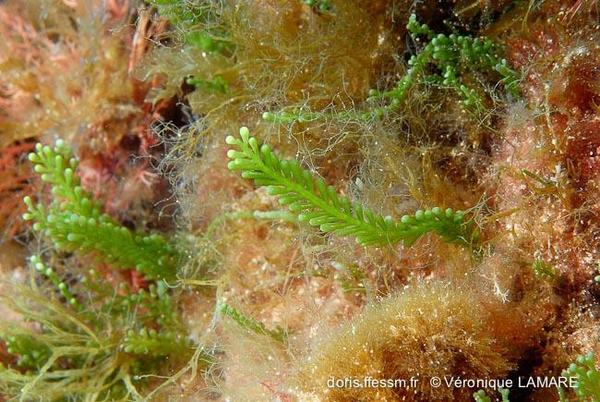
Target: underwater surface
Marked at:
299, 200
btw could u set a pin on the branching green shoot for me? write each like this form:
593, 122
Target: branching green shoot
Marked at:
320, 205
74, 221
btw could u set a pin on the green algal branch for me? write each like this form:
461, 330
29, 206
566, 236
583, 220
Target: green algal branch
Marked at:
319, 5
74, 221
49, 273
588, 378
153, 343
319, 204
453, 55
101, 342
481, 396
448, 61
252, 325
29, 351
217, 84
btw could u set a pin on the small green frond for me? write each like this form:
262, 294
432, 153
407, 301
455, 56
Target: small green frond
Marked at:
74, 221
319, 204
415, 28
280, 215
587, 375
154, 343
184, 14
543, 270
56, 281
322, 6
351, 278
299, 115
56, 166
481, 396
158, 306
217, 84
208, 43
197, 22
29, 351
250, 324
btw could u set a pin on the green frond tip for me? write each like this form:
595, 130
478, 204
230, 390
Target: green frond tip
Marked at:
61, 286
319, 204
208, 43
184, 14
544, 270
75, 222
216, 85
154, 343
29, 351
250, 324
504, 392
319, 5
481, 396
587, 375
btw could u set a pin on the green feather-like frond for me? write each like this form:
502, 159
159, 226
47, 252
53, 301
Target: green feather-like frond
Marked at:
320, 205
75, 222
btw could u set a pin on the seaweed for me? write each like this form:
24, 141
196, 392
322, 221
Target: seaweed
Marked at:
425, 205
